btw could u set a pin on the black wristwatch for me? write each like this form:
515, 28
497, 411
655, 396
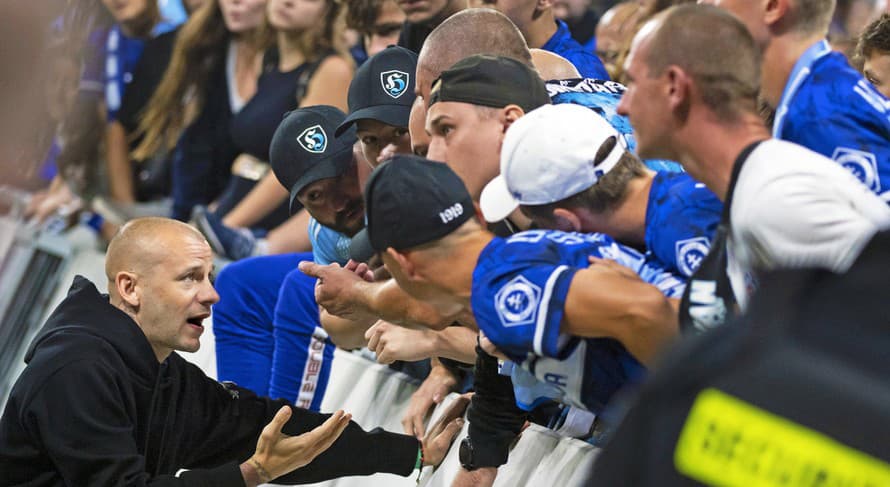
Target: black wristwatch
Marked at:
466, 455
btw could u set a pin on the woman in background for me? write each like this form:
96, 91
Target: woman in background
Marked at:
212, 74
308, 65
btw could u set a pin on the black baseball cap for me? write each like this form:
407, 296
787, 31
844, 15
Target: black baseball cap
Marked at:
304, 151
383, 89
491, 81
410, 201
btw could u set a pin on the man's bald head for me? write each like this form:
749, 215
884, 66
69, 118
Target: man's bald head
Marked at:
142, 243
466, 33
553, 66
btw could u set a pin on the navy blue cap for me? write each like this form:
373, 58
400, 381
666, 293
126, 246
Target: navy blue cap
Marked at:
411, 201
304, 150
382, 89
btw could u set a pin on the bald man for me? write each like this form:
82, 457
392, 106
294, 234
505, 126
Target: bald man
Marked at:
104, 400
614, 32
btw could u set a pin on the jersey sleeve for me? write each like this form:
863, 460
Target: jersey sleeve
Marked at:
519, 302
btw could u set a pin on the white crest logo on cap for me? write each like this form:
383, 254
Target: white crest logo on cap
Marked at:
313, 139
394, 82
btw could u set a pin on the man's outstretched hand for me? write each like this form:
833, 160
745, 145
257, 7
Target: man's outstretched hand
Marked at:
440, 436
278, 454
339, 290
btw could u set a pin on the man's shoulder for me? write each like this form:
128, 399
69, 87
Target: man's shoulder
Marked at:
538, 253
836, 96
761, 173
764, 187
66, 357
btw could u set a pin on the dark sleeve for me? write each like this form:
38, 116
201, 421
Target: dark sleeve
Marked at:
147, 76
233, 419
82, 418
494, 418
356, 452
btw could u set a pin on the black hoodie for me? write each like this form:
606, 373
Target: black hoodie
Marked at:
94, 407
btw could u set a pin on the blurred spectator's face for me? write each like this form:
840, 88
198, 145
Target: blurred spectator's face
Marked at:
468, 140
336, 202
126, 10
386, 28
877, 70
613, 34
420, 140
242, 15
376, 136
570, 9
421, 11
295, 15
750, 12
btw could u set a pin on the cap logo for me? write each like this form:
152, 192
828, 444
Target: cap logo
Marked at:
394, 82
313, 139
451, 212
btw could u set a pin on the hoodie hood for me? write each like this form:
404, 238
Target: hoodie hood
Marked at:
85, 310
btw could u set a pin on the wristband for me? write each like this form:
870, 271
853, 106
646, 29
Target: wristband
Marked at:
419, 465
260, 471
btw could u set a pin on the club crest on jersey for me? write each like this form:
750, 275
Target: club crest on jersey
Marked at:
517, 302
395, 82
863, 165
690, 253
313, 139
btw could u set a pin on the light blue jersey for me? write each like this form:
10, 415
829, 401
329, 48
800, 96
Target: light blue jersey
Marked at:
328, 246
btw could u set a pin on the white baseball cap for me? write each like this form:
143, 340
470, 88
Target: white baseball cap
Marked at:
547, 156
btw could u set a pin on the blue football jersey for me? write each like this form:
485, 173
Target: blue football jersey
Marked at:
518, 298
562, 43
828, 107
681, 217
603, 97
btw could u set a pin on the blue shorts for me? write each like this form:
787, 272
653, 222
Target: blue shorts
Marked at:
268, 334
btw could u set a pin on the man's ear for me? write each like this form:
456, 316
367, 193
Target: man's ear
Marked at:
405, 266
679, 90
566, 220
510, 114
128, 288
775, 11
542, 5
